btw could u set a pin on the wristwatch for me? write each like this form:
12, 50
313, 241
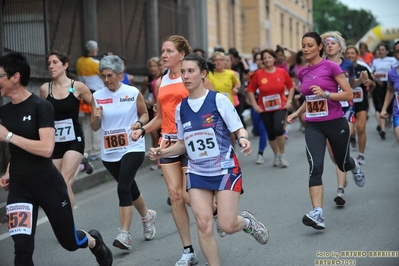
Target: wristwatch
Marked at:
327, 93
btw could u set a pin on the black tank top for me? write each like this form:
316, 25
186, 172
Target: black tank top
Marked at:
66, 108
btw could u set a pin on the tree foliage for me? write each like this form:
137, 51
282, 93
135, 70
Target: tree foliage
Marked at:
332, 15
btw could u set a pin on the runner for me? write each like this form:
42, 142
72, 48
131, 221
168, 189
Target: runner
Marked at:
65, 95
117, 110
393, 92
31, 178
204, 121
170, 91
272, 104
324, 121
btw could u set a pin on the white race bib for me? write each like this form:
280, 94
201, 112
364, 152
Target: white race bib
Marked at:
116, 140
201, 144
381, 76
19, 218
64, 130
272, 102
343, 103
357, 95
316, 106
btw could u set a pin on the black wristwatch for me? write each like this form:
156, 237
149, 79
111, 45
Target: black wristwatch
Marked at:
143, 132
141, 123
238, 140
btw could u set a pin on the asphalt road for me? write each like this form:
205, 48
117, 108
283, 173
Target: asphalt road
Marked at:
277, 197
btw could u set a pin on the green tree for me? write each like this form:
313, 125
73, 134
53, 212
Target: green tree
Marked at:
332, 15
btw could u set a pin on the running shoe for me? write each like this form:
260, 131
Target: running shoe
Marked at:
95, 157
256, 229
314, 219
378, 128
382, 134
87, 166
283, 161
123, 240
102, 252
359, 175
340, 198
259, 159
361, 160
220, 231
277, 161
149, 225
187, 258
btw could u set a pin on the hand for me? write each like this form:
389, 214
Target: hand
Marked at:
291, 118
98, 112
364, 76
5, 181
317, 91
135, 125
154, 154
257, 108
245, 145
368, 82
136, 134
383, 114
235, 91
288, 105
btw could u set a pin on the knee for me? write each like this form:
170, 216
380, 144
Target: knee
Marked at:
204, 225
229, 227
176, 194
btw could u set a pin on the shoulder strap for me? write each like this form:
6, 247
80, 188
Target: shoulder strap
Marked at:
72, 83
50, 89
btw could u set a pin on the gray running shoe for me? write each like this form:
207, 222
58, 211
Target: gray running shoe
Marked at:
220, 231
259, 159
123, 240
314, 219
256, 229
277, 161
359, 175
148, 225
340, 198
361, 160
187, 258
102, 252
88, 167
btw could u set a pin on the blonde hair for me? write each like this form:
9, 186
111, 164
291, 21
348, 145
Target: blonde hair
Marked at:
218, 53
154, 59
336, 35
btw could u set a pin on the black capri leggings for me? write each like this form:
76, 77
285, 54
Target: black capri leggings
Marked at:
48, 190
124, 171
316, 134
274, 123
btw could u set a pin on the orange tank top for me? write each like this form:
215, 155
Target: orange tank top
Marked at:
170, 94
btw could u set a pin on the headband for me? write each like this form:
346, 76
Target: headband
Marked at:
331, 39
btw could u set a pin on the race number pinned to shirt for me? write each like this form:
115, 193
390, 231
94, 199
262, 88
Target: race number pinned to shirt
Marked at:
116, 140
343, 103
201, 144
381, 76
272, 102
168, 140
19, 216
357, 95
64, 130
316, 106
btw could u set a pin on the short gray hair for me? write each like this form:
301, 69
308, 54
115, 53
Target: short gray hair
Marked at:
112, 62
91, 46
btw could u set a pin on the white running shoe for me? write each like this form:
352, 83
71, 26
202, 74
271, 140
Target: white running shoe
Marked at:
220, 231
123, 240
361, 160
256, 229
359, 175
259, 159
314, 219
149, 225
283, 161
277, 162
187, 258
340, 198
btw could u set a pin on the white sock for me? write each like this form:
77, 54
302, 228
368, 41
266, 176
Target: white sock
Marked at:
319, 210
147, 216
81, 167
248, 223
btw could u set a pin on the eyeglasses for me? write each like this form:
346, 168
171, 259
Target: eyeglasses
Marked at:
3, 75
109, 76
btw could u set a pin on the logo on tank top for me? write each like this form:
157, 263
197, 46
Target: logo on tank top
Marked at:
28, 117
264, 81
208, 120
127, 99
104, 101
187, 125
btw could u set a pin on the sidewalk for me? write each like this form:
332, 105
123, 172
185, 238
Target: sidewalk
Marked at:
100, 174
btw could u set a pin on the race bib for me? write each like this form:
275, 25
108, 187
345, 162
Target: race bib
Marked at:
381, 76
316, 106
201, 144
64, 130
116, 140
19, 216
357, 95
168, 140
272, 102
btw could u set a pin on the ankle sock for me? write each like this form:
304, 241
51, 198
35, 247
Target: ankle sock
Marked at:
147, 216
190, 247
